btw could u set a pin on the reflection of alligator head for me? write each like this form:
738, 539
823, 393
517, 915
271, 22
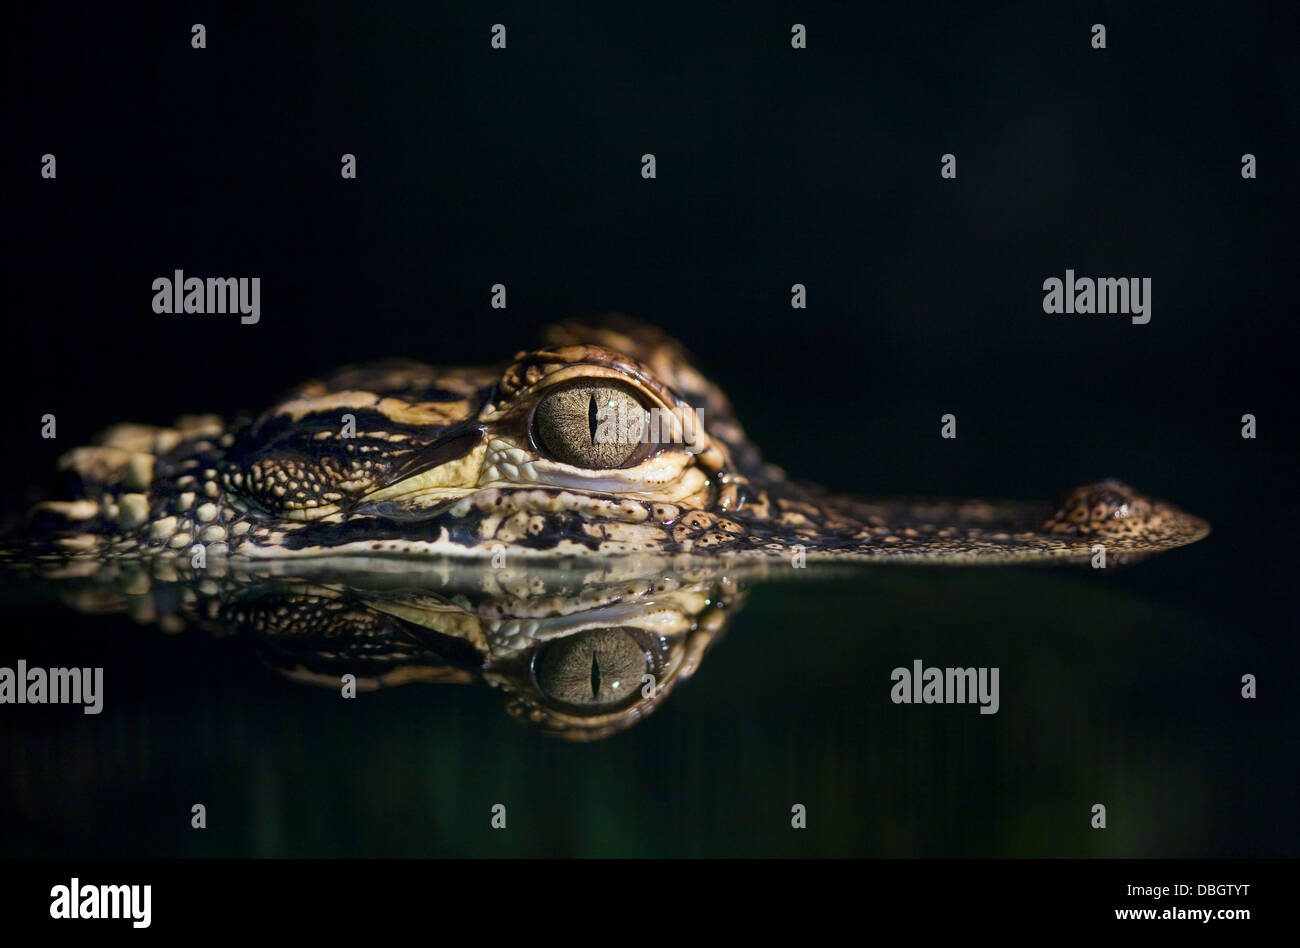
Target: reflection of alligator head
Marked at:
581, 653
604, 442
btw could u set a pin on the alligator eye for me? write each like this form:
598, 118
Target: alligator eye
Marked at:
593, 670
596, 424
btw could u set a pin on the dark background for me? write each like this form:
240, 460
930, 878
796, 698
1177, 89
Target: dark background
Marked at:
775, 166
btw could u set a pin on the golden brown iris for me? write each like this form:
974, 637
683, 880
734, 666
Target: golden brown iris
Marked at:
599, 424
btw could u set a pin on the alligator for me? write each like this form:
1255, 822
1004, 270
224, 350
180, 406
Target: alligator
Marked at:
606, 441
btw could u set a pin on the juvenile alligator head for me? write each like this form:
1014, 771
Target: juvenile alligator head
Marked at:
605, 441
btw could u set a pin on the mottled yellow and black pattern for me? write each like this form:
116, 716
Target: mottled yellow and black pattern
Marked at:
399, 459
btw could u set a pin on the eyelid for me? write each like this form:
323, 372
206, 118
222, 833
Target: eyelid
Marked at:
596, 374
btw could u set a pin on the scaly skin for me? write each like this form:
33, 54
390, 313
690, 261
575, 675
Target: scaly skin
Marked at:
450, 462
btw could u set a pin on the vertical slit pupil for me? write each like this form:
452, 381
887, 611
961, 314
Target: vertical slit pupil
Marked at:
591, 416
595, 676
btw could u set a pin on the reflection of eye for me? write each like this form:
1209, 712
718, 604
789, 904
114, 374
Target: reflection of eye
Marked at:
595, 424
592, 669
